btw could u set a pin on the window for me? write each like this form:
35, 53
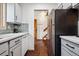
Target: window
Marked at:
2, 16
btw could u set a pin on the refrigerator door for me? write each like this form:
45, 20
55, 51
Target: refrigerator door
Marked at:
65, 24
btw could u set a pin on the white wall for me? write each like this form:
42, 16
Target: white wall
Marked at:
28, 13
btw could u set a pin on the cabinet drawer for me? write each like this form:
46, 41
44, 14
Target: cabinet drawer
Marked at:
15, 42
71, 46
3, 47
16, 50
64, 52
4, 54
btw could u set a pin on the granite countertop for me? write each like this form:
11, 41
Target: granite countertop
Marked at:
10, 36
73, 39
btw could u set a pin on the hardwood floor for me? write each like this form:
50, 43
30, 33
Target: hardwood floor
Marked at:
40, 49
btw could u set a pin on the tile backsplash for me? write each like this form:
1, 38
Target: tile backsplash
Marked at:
10, 28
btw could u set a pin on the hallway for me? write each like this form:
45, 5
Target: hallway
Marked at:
41, 49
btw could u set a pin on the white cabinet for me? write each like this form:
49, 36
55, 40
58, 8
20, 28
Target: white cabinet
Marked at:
64, 52
16, 51
27, 43
66, 5
31, 42
5, 54
4, 48
13, 12
69, 48
10, 12
18, 12
24, 44
15, 47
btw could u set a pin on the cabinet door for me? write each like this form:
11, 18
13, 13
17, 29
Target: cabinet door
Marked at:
3, 47
18, 12
30, 42
5, 54
16, 51
64, 52
10, 12
24, 45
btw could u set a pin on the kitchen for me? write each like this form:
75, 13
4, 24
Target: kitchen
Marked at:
17, 28
14, 35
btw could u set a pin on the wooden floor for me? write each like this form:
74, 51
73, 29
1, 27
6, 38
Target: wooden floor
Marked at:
41, 49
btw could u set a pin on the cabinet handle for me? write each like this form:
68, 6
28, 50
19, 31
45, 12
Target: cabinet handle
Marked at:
12, 53
70, 46
17, 41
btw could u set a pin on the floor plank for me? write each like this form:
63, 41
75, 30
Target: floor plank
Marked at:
41, 49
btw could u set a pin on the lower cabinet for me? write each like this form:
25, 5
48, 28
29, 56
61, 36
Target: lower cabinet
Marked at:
4, 49
15, 51
5, 54
68, 48
16, 47
64, 52
24, 44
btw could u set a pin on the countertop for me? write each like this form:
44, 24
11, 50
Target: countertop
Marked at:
10, 36
73, 39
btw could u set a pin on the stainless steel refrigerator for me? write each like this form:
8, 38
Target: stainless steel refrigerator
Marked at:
66, 25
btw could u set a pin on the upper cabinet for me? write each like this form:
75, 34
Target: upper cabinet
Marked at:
10, 12
13, 12
18, 12
2, 16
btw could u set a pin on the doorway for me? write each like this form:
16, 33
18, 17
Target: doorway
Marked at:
41, 31
40, 24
